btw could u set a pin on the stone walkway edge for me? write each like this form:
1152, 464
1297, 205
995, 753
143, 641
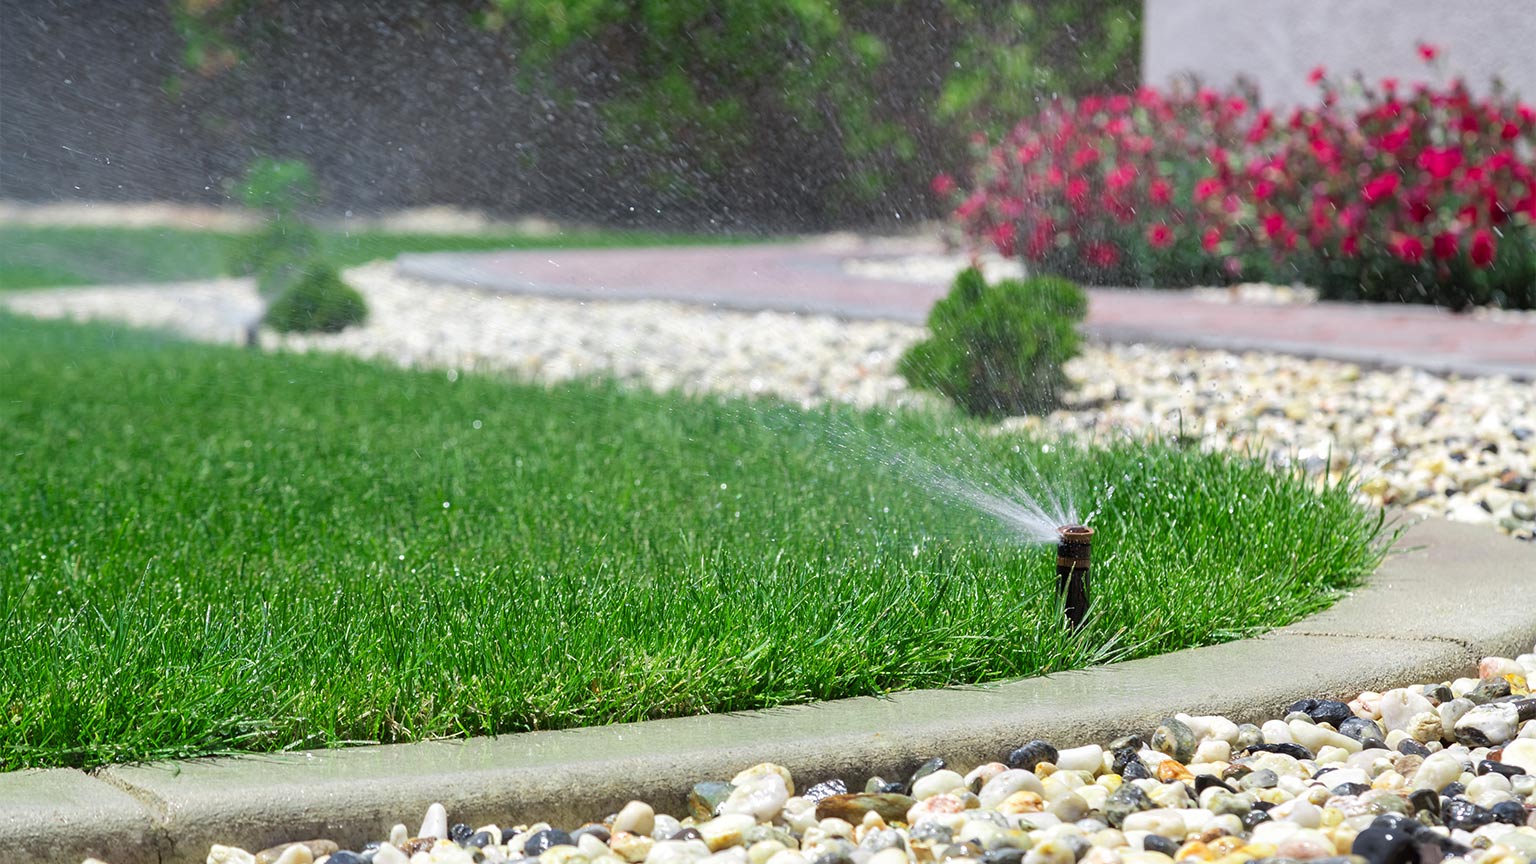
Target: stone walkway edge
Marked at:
1449, 595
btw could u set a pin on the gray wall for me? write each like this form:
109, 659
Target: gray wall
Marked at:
1275, 44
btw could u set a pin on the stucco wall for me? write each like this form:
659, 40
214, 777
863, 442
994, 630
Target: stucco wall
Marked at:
1275, 44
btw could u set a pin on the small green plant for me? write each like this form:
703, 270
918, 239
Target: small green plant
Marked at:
318, 300
999, 350
279, 186
284, 239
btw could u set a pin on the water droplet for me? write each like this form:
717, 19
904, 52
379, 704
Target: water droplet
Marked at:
446, 505
476, 424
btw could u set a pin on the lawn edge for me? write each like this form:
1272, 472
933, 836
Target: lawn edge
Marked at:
1402, 626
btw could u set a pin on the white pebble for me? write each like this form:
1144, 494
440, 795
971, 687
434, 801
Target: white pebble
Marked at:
435, 824
636, 817
1088, 758
937, 783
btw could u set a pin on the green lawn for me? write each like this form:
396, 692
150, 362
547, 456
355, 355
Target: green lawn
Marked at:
46, 257
210, 550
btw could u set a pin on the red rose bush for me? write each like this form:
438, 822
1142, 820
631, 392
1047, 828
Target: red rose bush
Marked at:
1374, 193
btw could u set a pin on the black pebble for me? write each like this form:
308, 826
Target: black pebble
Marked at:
895, 787
507, 834
1265, 806
1136, 770
1007, 855
542, 841
1488, 766
1386, 844
459, 832
1159, 843
347, 856
1350, 789
1330, 711
687, 834
1206, 781
826, 790
1253, 818
1410, 747
1438, 693
1295, 751
1508, 812
1453, 788
1360, 729
479, 839
1031, 754
1426, 800
935, 764
1463, 814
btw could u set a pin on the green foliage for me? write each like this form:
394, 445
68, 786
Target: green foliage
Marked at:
316, 301
282, 241
702, 84
999, 350
1014, 54
279, 186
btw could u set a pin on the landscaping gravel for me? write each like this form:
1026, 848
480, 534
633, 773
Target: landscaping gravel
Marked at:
1424, 773
1460, 447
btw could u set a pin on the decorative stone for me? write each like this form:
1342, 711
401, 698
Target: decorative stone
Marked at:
636, 817
759, 797
937, 783
229, 855
765, 769
826, 789
313, 848
705, 798
1032, 753
1175, 738
853, 807
435, 823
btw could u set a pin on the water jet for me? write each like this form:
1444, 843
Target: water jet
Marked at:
1074, 551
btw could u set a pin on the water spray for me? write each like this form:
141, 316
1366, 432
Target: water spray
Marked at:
1074, 551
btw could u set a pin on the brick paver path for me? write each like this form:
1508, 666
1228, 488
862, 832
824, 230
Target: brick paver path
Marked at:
809, 277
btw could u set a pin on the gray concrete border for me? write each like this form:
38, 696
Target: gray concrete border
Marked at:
1451, 595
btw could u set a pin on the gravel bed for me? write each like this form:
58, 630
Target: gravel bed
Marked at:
1425, 773
1459, 447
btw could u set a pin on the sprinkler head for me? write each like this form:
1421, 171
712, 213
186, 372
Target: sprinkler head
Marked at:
1074, 552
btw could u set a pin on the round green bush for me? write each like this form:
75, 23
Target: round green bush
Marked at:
999, 350
318, 301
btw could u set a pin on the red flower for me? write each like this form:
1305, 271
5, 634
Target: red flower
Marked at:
1407, 247
1101, 254
1120, 178
1083, 157
1206, 187
1274, 223
1444, 245
1483, 247
1317, 74
1160, 235
1160, 191
1389, 85
1351, 245
1429, 53
1077, 192
1510, 131
1440, 162
1394, 140
1002, 237
1212, 240
1263, 189
943, 185
971, 206
1011, 208
1379, 187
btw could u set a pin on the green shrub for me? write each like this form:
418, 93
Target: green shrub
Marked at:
284, 239
999, 350
317, 301
279, 186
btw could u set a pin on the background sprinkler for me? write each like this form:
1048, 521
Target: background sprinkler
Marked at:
1073, 553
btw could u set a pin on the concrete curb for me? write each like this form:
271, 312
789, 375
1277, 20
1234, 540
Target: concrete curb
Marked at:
1455, 594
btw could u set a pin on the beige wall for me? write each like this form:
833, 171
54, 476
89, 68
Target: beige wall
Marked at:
1276, 43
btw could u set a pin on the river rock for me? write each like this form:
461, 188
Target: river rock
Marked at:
315, 849
854, 807
705, 798
636, 817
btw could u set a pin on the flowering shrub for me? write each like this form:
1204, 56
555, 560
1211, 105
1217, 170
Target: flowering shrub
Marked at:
1424, 196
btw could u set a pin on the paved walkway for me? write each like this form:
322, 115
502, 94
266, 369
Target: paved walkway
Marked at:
809, 277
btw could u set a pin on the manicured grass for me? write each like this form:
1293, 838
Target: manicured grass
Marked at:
210, 550
46, 257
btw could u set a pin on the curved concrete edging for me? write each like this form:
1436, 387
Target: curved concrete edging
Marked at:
1455, 594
